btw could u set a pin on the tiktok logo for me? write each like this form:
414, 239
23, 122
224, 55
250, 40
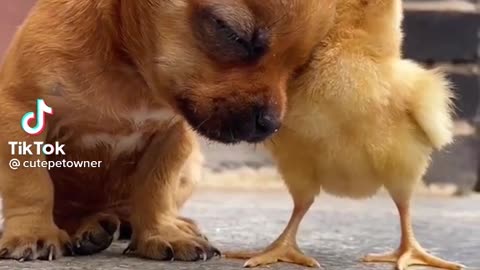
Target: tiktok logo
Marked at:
39, 118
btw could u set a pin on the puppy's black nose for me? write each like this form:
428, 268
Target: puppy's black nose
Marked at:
266, 124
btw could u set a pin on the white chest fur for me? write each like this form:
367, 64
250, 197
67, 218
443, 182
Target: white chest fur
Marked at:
125, 144
141, 116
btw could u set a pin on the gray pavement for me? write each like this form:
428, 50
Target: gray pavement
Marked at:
337, 232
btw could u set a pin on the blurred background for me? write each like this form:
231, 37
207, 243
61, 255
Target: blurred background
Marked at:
438, 33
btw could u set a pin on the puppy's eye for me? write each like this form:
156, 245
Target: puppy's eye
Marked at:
228, 34
228, 42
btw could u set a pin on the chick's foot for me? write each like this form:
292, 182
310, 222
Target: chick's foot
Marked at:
285, 248
410, 252
281, 252
410, 256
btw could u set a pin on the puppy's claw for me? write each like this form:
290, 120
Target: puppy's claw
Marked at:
27, 255
3, 252
128, 250
205, 257
78, 244
68, 249
87, 236
51, 253
217, 252
199, 252
170, 254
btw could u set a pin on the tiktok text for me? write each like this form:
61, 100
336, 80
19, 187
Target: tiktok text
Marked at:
36, 148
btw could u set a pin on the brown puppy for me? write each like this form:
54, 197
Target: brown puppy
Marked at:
124, 78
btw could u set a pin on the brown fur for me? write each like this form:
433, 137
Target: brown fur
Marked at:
98, 61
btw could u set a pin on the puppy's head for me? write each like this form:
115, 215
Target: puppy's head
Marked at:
226, 63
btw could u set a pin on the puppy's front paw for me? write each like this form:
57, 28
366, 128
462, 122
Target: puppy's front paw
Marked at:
174, 239
95, 234
31, 241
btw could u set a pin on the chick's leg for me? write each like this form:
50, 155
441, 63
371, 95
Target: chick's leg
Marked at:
285, 248
410, 252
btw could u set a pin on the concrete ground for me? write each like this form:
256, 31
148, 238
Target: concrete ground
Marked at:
337, 232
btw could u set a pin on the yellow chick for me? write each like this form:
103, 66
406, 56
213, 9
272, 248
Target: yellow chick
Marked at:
360, 118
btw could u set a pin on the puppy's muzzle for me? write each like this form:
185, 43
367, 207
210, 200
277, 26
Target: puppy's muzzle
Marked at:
252, 125
228, 123
266, 123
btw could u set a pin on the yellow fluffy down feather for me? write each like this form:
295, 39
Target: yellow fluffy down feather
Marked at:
360, 117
